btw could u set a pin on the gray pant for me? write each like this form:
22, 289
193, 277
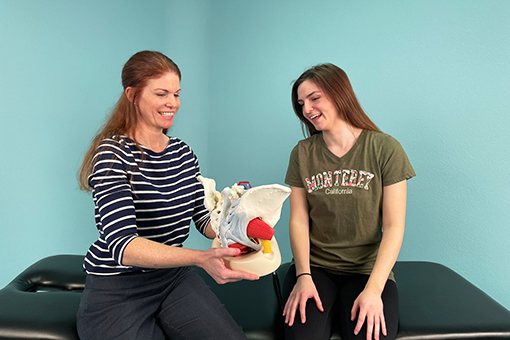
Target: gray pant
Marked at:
163, 304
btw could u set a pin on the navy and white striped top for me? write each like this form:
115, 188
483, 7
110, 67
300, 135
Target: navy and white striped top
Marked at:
156, 200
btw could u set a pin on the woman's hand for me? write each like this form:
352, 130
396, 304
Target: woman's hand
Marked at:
303, 290
214, 265
370, 307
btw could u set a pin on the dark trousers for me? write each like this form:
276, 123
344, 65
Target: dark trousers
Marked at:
163, 304
337, 293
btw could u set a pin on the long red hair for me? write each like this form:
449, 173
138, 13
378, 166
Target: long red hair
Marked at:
123, 120
335, 84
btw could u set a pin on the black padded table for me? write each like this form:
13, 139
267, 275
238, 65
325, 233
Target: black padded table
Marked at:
435, 303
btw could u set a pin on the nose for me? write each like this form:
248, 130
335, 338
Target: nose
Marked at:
172, 102
307, 107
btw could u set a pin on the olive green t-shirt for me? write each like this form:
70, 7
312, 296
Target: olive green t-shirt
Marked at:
345, 197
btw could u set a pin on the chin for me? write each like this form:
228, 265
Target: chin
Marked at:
167, 125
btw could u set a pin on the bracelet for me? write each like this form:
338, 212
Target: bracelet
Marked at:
297, 277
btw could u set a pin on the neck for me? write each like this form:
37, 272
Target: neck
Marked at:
151, 139
341, 139
343, 135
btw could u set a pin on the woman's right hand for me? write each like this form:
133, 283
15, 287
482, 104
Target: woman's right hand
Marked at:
303, 290
212, 262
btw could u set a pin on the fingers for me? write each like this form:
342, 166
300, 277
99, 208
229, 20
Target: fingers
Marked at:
383, 326
289, 312
238, 275
375, 323
359, 324
302, 311
221, 274
227, 252
354, 310
293, 304
375, 326
318, 302
298, 301
377, 330
370, 326
235, 275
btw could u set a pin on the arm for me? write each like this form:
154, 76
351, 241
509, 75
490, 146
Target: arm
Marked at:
304, 288
369, 302
209, 232
145, 253
299, 230
114, 199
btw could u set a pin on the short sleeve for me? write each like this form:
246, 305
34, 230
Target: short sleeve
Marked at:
293, 177
394, 163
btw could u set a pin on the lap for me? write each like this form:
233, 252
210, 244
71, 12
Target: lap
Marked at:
350, 291
318, 324
192, 311
149, 306
338, 293
121, 306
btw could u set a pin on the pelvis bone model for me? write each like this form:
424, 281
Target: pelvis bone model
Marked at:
244, 218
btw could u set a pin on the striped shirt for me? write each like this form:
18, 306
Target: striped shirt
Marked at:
155, 198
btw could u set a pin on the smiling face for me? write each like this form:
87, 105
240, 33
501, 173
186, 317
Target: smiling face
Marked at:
316, 107
158, 103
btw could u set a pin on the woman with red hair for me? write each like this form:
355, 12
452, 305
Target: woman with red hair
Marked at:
146, 193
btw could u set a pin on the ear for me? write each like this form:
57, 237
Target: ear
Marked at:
130, 92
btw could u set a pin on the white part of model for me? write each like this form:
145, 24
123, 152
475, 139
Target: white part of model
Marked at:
264, 202
213, 200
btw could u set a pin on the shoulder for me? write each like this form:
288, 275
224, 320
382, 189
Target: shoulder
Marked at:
381, 141
113, 153
310, 141
380, 137
116, 146
307, 144
176, 145
391, 157
117, 152
179, 151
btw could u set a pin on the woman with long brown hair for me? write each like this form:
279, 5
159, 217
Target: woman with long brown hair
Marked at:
146, 193
347, 215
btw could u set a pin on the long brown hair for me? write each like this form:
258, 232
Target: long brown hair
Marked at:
335, 84
123, 120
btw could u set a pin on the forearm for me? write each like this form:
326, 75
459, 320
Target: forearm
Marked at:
300, 245
299, 230
386, 258
145, 253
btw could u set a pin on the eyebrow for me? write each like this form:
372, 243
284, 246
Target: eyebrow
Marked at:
308, 96
162, 89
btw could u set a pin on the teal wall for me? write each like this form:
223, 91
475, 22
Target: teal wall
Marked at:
434, 74
60, 64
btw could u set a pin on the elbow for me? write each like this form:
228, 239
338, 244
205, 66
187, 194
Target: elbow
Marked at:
393, 231
121, 250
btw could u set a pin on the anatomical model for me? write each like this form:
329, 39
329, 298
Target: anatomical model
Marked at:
244, 217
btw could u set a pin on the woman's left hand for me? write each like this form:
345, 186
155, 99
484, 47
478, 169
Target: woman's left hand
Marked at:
369, 308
